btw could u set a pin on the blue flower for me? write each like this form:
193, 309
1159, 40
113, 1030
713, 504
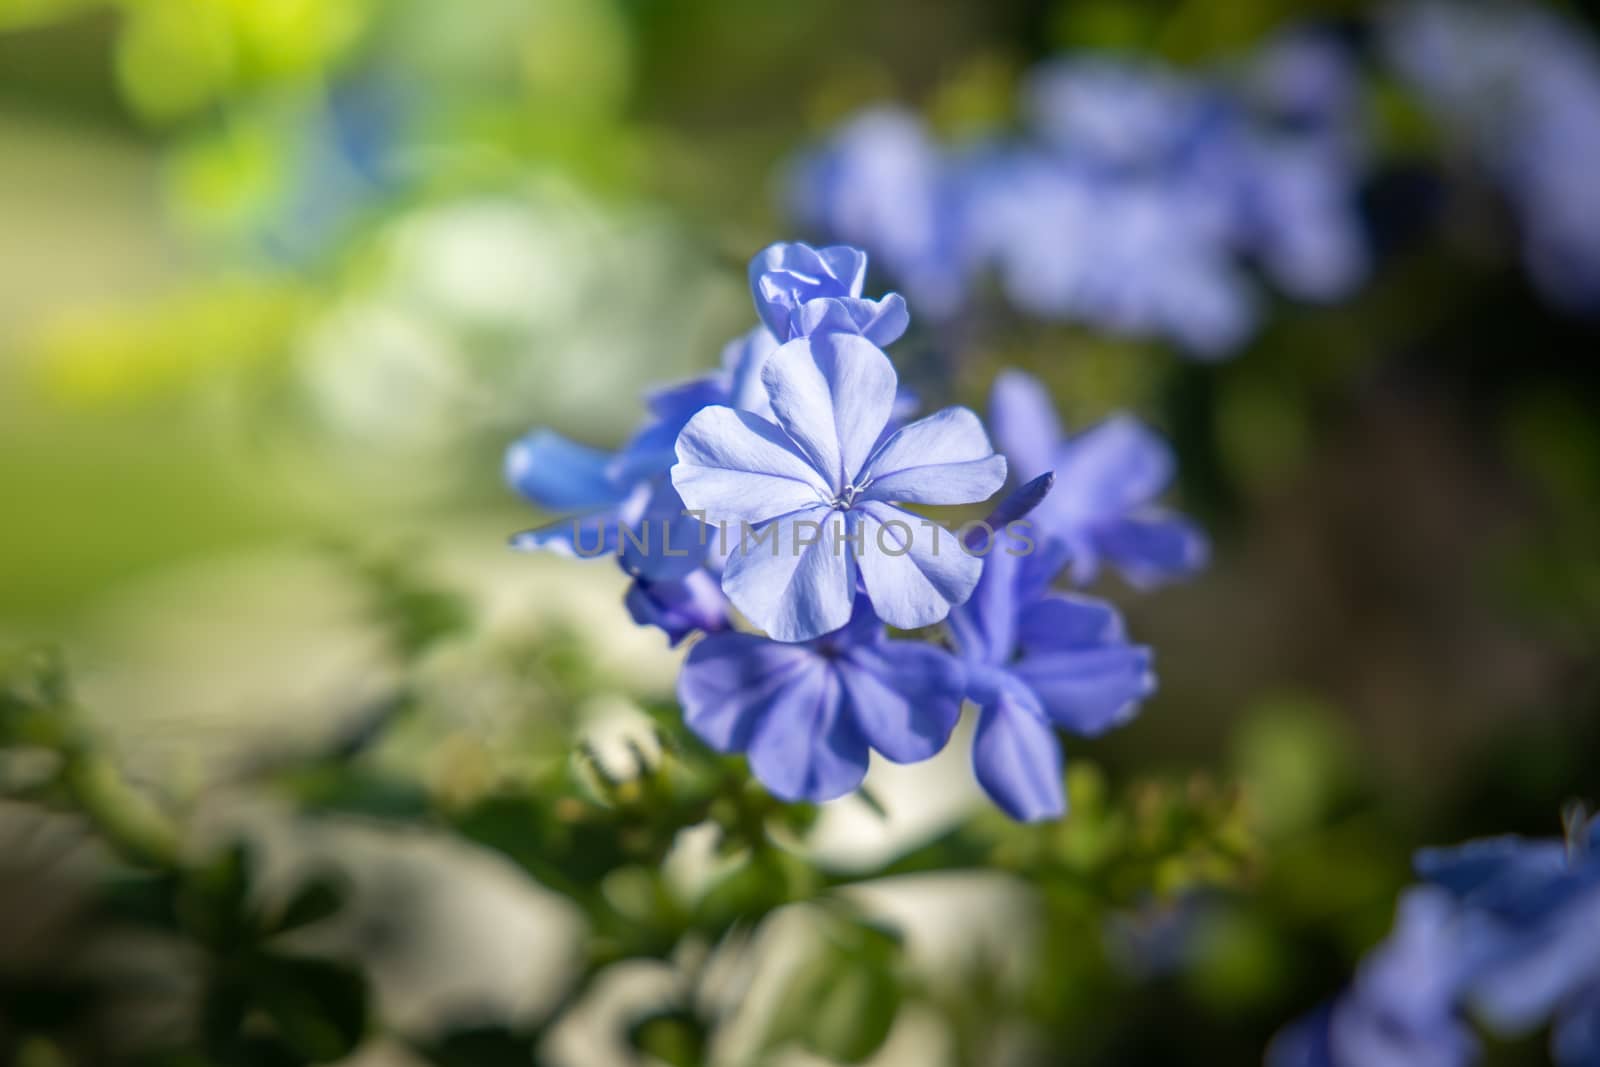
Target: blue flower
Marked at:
1107, 480
1537, 931
1401, 1011
810, 497
808, 713
678, 607
1134, 202
881, 182
1520, 85
1508, 928
801, 291
1037, 662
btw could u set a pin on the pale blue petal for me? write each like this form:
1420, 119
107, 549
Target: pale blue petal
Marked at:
742, 361
663, 543
1017, 758
678, 608
798, 581
1151, 549
730, 681
1111, 469
914, 570
578, 537
807, 748
880, 321
1557, 961
1025, 423
905, 696
848, 264
985, 626
560, 475
785, 275
736, 467
1061, 622
1021, 501
1086, 678
833, 395
945, 458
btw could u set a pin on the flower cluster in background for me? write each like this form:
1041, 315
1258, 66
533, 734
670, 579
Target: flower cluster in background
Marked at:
1519, 86
1147, 201
1136, 198
778, 486
1506, 930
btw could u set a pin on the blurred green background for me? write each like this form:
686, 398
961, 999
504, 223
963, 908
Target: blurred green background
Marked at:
280, 278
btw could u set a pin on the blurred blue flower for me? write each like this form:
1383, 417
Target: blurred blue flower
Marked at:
679, 607
1107, 480
882, 183
1508, 928
1521, 85
1037, 662
808, 713
1134, 202
810, 496
1401, 1011
1536, 906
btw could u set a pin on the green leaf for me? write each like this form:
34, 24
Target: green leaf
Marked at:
842, 1003
319, 899
319, 1006
676, 1037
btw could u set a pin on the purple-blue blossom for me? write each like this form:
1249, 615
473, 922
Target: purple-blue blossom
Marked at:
808, 501
808, 713
1402, 1009
1037, 662
1137, 201
1107, 481
801, 291
1504, 930
1520, 85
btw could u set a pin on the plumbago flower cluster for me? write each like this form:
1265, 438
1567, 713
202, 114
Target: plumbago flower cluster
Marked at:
1506, 930
1146, 201
1520, 86
776, 491
1134, 202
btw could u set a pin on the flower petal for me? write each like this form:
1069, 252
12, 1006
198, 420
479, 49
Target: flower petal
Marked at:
1017, 758
905, 696
1025, 423
664, 542
579, 537
1062, 623
985, 625
742, 360
731, 681
793, 577
678, 608
1086, 687
1110, 469
736, 467
560, 475
880, 321
945, 458
914, 569
833, 394
806, 747
1151, 549
787, 274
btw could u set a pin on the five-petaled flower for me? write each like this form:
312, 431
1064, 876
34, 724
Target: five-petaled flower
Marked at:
807, 713
812, 497
1036, 662
1107, 480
